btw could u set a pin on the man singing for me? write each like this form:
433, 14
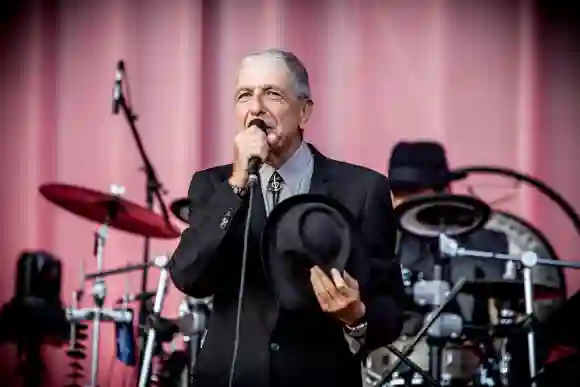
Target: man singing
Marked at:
280, 348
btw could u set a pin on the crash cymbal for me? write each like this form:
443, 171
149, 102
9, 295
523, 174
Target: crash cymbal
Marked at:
455, 215
180, 208
97, 206
508, 290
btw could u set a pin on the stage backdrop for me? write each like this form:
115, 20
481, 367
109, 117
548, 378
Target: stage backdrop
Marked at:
496, 81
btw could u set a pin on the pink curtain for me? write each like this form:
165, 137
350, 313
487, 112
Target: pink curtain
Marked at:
488, 78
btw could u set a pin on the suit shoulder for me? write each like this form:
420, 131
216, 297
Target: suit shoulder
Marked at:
219, 172
359, 173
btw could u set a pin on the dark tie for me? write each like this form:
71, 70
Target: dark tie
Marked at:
275, 186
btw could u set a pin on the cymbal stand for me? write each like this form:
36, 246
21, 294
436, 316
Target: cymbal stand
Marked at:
529, 260
99, 292
77, 296
160, 262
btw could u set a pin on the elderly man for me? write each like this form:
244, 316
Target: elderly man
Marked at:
278, 347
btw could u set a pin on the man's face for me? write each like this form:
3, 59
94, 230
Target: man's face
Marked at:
265, 90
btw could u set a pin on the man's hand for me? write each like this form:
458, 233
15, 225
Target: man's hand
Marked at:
250, 142
338, 295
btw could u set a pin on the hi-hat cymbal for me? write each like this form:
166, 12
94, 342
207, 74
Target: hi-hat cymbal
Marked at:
180, 208
430, 215
97, 206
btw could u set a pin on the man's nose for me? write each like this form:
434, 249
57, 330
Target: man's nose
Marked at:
256, 106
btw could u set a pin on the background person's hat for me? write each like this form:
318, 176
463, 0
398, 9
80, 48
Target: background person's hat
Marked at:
307, 230
419, 165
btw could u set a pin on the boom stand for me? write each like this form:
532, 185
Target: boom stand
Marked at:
528, 259
99, 292
153, 188
160, 262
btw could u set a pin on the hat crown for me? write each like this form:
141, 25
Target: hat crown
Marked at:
323, 234
428, 155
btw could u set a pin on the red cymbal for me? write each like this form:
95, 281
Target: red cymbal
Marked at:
95, 206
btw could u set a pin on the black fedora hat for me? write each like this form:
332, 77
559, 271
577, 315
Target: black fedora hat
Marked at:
304, 231
420, 165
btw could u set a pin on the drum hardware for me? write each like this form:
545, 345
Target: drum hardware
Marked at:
385, 376
110, 211
419, 374
528, 261
193, 337
160, 262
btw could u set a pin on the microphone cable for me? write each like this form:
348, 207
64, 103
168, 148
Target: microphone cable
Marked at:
242, 285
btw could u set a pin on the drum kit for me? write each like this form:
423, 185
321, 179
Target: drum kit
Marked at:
448, 350
111, 211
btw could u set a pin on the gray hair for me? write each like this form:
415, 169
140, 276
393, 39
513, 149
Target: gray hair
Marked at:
294, 66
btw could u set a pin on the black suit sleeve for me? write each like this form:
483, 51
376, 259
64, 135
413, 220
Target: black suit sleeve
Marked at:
214, 211
383, 298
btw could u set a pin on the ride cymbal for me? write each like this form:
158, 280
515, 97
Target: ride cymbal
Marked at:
98, 207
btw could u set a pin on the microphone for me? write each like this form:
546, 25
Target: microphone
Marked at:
255, 162
117, 89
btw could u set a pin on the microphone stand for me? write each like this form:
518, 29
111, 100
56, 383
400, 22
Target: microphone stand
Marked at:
529, 260
153, 188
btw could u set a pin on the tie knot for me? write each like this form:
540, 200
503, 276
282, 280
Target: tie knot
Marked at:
275, 183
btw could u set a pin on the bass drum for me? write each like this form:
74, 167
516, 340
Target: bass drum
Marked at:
522, 236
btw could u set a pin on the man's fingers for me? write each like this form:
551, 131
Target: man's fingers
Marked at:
321, 290
325, 282
350, 282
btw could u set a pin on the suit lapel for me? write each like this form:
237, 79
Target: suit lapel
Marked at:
319, 184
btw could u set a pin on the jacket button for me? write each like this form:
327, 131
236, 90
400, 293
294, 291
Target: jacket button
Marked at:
275, 347
226, 219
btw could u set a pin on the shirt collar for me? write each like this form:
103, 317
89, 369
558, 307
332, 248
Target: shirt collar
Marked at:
292, 170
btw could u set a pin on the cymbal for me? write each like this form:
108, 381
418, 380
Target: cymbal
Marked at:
180, 208
508, 290
96, 206
429, 215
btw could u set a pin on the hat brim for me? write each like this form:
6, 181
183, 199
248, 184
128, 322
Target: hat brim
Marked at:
408, 178
269, 251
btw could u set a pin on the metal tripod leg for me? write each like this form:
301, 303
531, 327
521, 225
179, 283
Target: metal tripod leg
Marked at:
434, 316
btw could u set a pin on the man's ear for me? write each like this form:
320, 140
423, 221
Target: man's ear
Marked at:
306, 112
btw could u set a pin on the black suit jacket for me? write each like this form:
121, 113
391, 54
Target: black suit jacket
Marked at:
279, 348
